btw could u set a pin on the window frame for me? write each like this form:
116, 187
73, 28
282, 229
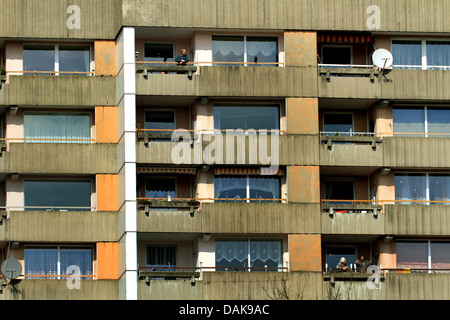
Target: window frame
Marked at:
174, 110
248, 259
174, 246
247, 188
151, 42
245, 54
349, 46
175, 178
56, 70
337, 179
426, 132
64, 112
58, 248
429, 251
338, 112
424, 60
427, 200
62, 179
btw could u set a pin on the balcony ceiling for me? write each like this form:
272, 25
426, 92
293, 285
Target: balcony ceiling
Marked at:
347, 171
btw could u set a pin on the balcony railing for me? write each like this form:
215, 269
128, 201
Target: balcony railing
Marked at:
417, 67
51, 73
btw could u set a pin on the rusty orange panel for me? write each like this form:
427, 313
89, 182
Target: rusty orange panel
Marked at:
106, 124
305, 252
300, 48
303, 184
108, 260
105, 58
302, 115
107, 192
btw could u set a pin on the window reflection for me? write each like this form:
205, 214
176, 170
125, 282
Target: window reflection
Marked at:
237, 188
247, 117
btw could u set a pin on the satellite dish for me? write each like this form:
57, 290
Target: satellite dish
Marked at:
382, 58
11, 268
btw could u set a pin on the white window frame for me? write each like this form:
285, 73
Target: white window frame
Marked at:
155, 42
58, 248
428, 248
338, 112
424, 65
245, 45
164, 177
427, 184
349, 46
174, 110
56, 48
425, 110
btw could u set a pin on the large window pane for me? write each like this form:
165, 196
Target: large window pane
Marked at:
247, 117
74, 58
228, 49
160, 188
440, 255
160, 52
337, 55
339, 190
230, 187
438, 54
334, 255
41, 262
337, 122
407, 54
412, 255
409, 120
264, 188
81, 258
410, 187
438, 121
439, 188
160, 120
231, 255
162, 258
58, 195
39, 58
265, 254
70, 127
262, 49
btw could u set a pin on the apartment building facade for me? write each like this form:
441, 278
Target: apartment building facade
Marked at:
278, 149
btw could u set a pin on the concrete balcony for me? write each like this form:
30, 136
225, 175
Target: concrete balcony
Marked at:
235, 286
60, 226
234, 218
77, 158
396, 85
41, 90
224, 81
395, 219
416, 152
304, 286
58, 290
292, 150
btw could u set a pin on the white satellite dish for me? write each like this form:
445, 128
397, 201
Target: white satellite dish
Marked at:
382, 58
11, 268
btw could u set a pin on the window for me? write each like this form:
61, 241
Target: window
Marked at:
337, 123
339, 190
56, 261
160, 188
247, 117
422, 121
57, 195
427, 187
57, 127
159, 52
337, 55
421, 54
244, 255
245, 49
164, 120
423, 255
335, 253
162, 258
246, 187
54, 58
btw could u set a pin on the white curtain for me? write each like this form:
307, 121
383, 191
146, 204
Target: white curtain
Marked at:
438, 53
265, 251
68, 126
41, 262
232, 250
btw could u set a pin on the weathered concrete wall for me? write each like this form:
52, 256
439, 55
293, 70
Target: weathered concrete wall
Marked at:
89, 158
59, 91
58, 290
352, 223
99, 19
57, 226
236, 286
398, 16
235, 218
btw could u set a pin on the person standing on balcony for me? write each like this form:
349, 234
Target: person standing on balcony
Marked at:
182, 58
362, 265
